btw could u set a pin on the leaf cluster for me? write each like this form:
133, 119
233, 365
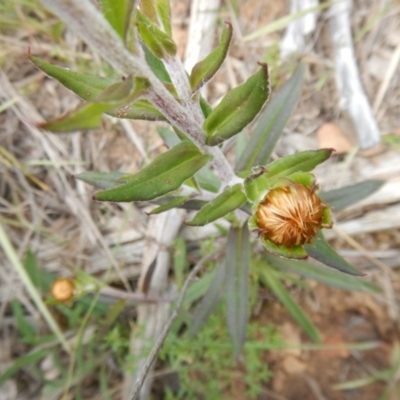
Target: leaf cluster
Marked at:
194, 173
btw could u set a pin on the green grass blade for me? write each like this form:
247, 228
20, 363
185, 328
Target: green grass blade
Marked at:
322, 274
30, 287
271, 279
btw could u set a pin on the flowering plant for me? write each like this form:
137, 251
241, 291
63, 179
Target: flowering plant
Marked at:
280, 198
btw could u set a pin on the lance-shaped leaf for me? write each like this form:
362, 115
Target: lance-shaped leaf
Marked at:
89, 87
348, 195
148, 8
209, 302
323, 252
163, 175
237, 282
101, 180
322, 274
164, 14
229, 200
88, 116
116, 91
204, 70
118, 14
156, 65
207, 180
238, 108
205, 106
140, 109
271, 123
157, 41
175, 202
271, 279
204, 178
303, 161
86, 86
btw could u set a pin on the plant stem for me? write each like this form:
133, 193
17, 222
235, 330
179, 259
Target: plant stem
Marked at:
104, 40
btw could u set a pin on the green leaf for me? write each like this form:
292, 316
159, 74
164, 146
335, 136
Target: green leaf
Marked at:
148, 8
89, 115
229, 200
322, 274
22, 361
270, 278
302, 178
238, 108
304, 161
169, 136
198, 289
89, 87
207, 180
348, 195
124, 92
156, 65
86, 86
42, 279
163, 175
205, 107
140, 109
323, 252
116, 91
157, 41
237, 285
209, 302
164, 13
117, 13
180, 261
271, 122
101, 180
86, 116
25, 329
204, 70
175, 202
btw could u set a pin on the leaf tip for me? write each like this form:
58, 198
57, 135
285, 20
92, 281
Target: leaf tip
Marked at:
229, 23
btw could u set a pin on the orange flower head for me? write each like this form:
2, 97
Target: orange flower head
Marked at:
63, 289
290, 215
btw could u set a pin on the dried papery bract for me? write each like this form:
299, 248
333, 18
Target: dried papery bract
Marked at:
290, 215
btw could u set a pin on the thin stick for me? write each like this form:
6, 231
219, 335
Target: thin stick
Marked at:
160, 341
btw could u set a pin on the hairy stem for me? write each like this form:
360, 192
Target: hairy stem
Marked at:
104, 40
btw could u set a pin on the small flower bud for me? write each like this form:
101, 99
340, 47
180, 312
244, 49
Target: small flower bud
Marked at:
290, 215
63, 289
